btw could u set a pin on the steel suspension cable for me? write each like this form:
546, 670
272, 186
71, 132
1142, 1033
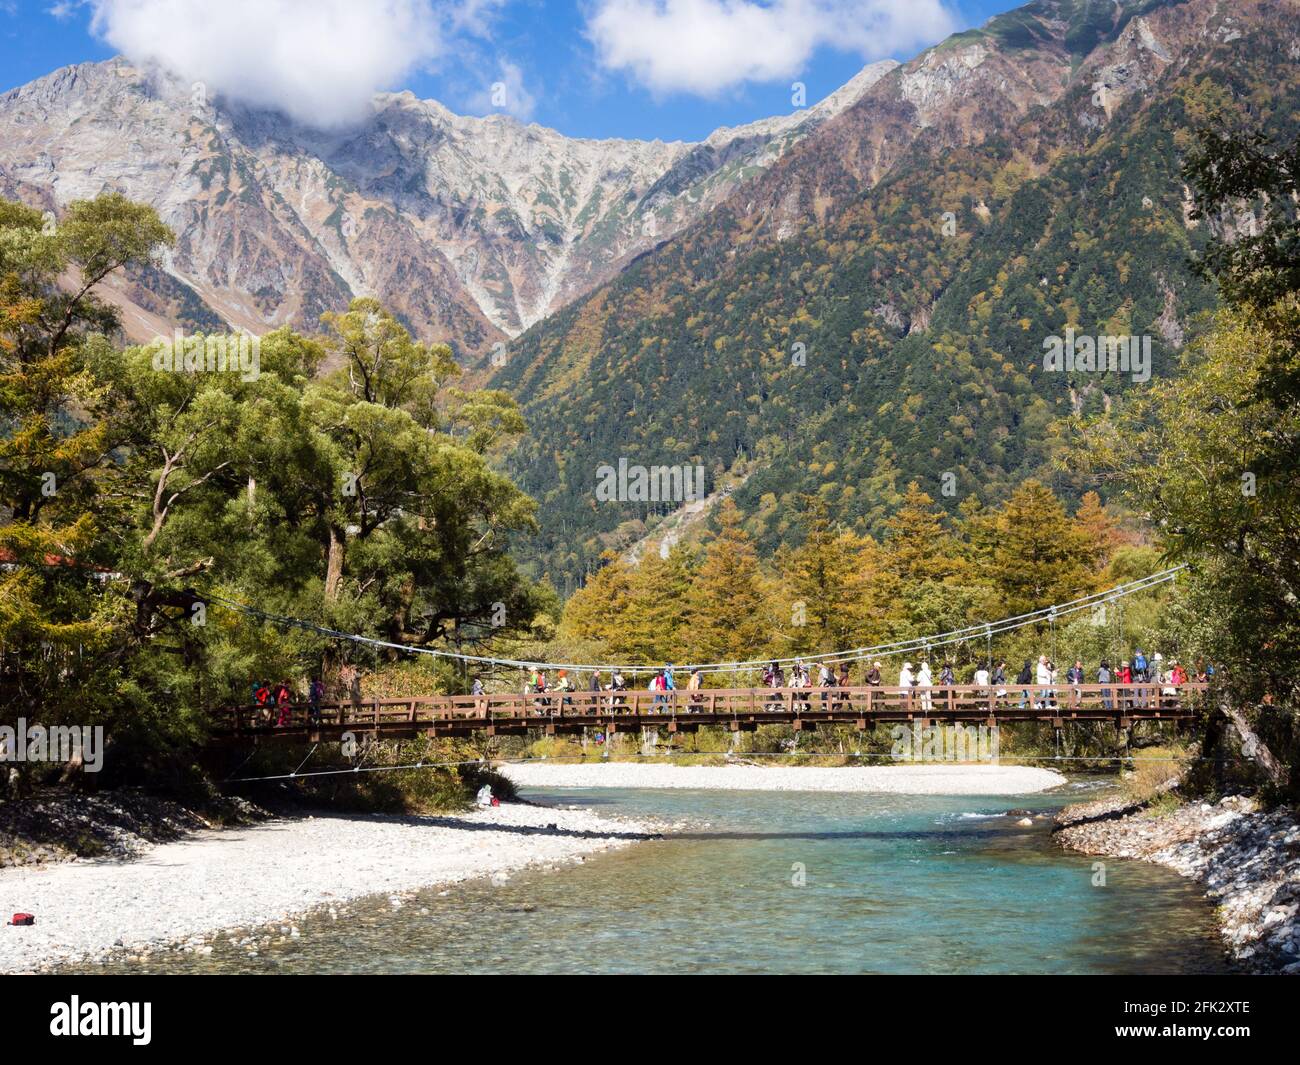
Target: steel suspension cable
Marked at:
926, 643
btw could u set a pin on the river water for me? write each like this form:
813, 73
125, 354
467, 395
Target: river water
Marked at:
796, 882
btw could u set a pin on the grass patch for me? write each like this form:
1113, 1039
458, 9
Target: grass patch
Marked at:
1155, 769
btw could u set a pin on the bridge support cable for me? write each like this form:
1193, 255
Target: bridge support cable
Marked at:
1048, 614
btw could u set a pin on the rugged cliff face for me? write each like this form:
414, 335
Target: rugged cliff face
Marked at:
470, 228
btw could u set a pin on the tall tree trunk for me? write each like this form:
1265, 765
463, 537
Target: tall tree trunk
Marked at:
334, 563
1253, 747
332, 660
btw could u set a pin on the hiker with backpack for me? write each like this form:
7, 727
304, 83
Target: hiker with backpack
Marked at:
1141, 674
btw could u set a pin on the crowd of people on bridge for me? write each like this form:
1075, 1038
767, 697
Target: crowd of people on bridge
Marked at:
1037, 684
275, 703
1137, 682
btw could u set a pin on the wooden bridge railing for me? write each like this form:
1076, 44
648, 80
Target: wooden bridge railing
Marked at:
714, 705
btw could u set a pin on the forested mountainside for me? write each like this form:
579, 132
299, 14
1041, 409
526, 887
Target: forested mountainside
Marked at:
873, 309
469, 228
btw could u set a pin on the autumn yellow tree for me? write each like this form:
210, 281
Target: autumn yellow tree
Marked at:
726, 615
1041, 556
597, 610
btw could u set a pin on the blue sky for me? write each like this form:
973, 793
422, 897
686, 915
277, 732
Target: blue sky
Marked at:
673, 69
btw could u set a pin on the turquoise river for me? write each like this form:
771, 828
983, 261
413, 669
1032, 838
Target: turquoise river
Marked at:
779, 882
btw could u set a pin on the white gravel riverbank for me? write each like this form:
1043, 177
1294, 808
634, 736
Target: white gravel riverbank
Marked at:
1247, 859
932, 779
239, 877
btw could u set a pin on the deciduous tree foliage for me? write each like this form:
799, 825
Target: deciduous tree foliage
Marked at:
838, 590
348, 482
1210, 458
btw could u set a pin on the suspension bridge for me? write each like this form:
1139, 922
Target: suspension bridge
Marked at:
732, 709
736, 709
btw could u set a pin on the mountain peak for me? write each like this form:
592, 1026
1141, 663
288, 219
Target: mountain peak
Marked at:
471, 227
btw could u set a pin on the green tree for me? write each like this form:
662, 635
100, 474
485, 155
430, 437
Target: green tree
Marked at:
726, 616
1041, 557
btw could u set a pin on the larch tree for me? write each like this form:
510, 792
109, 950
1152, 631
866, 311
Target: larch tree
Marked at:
726, 618
1042, 556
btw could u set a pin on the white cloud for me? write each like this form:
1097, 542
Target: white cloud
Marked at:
707, 46
318, 61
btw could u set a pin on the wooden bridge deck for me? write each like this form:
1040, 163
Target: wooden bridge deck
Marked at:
732, 709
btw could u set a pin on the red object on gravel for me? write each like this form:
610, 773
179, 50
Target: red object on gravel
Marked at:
23, 918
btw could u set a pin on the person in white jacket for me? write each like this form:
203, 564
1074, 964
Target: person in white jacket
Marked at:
924, 682
1043, 678
906, 681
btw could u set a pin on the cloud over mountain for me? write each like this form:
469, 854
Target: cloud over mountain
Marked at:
707, 46
318, 61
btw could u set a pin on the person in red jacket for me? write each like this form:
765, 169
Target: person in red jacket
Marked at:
283, 703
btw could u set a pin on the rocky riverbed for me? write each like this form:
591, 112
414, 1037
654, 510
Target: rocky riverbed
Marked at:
60, 827
1247, 859
259, 878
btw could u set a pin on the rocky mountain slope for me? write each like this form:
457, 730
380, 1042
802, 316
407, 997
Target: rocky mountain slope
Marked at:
471, 228
872, 309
